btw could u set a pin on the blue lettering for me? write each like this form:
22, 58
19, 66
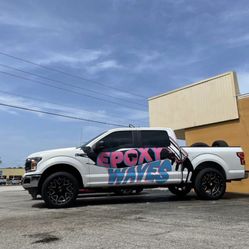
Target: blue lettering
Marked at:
130, 175
156, 172
141, 170
116, 176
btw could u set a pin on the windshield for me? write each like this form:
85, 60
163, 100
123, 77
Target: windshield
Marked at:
88, 142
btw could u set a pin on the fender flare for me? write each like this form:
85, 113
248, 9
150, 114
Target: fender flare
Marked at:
210, 158
64, 160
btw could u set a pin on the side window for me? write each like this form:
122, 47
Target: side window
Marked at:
154, 139
119, 139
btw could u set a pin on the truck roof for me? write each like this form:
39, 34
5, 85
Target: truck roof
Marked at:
170, 131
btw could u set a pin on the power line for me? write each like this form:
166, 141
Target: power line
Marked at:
31, 98
60, 115
67, 90
61, 82
69, 74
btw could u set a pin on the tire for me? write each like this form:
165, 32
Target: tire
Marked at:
180, 190
60, 190
220, 143
199, 144
210, 184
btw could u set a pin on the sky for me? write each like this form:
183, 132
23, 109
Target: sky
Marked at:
102, 59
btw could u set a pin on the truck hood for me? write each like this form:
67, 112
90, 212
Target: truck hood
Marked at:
57, 152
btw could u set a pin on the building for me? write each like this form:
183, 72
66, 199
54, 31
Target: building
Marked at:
209, 110
11, 173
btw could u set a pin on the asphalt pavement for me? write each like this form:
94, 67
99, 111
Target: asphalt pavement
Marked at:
152, 219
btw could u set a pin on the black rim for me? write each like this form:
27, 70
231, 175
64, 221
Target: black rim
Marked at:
212, 184
60, 190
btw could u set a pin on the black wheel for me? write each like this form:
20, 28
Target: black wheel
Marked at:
220, 143
180, 190
199, 144
60, 190
210, 184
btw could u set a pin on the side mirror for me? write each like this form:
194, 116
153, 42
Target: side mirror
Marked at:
86, 149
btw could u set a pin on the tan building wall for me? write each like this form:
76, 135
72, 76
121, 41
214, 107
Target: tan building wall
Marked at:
12, 172
205, 102
236, 133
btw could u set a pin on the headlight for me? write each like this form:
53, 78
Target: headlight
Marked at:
31, 163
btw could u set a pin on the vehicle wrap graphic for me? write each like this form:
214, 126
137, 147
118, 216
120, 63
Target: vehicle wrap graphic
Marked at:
139, 165
153, 172
133, 157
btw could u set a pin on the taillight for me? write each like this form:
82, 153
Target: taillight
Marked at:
241, 156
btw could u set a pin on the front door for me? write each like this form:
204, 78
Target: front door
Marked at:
109, 160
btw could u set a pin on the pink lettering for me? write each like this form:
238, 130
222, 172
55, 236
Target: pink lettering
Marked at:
104, 159
157, 153
116, 157
144, 155
130, 158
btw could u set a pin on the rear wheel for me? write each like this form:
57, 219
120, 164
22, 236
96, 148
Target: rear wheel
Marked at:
210, 184
60, 190
180, 190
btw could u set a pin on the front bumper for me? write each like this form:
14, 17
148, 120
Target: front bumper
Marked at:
30, 181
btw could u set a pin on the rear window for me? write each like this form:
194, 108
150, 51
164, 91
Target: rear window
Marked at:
154, 139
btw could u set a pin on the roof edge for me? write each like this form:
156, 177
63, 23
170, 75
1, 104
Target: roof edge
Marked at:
243, 96
191, 85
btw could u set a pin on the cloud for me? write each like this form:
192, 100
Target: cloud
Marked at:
74, 59
238, 40
14, 20
45, 106
103, 66
147, 60
101, 115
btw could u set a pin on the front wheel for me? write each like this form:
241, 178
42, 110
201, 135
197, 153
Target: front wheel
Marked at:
210, 184
180, 190
60, 190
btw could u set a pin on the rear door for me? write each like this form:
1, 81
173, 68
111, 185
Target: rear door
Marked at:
159, 155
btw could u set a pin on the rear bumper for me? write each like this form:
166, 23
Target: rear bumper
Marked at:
30, 181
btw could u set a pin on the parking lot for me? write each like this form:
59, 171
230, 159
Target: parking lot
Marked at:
153, 219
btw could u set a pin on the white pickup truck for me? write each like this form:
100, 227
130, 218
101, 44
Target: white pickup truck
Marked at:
130, 159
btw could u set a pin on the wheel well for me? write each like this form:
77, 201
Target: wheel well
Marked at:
210, 164
60, 167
